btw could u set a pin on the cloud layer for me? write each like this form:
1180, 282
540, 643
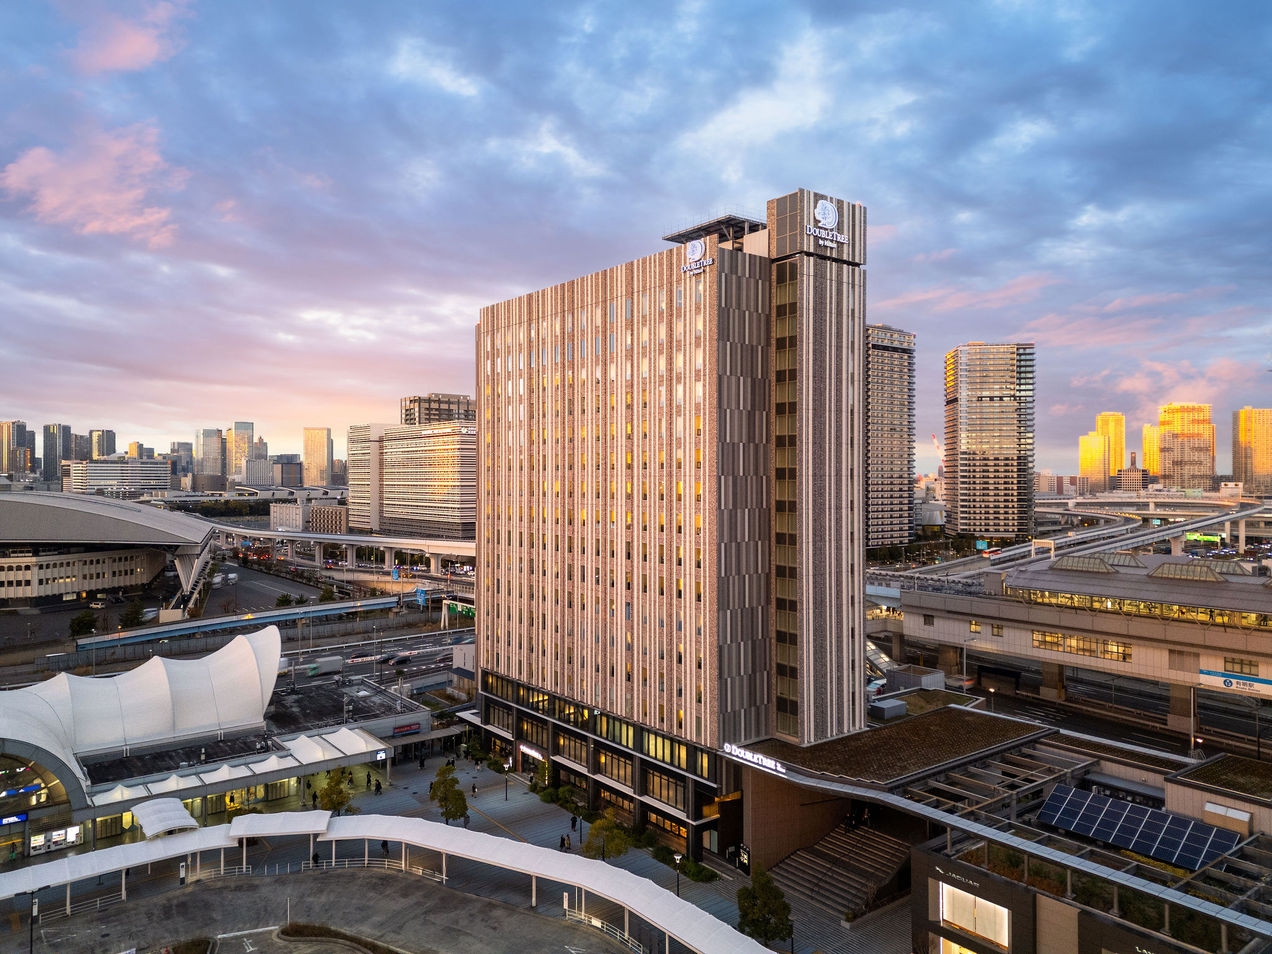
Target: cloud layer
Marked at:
292, 214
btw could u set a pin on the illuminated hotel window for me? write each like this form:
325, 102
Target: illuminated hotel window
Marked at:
976, 916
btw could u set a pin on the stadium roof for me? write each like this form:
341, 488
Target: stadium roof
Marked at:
82, 518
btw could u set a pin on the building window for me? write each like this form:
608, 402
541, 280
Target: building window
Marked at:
974, 626
929, 619
976, 916
996, 629
1244, 667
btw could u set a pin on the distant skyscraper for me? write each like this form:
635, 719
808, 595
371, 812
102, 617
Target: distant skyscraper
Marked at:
1252, 448
103, 443
414, 480
889, 459
238, 446
435, 408
209, 453
12, 438
56, 448
318, 453
989, 439
1152, 455
1112, 426
1102, 452
181, 456
1186, 446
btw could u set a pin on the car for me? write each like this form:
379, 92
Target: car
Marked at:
875, 686
97, 604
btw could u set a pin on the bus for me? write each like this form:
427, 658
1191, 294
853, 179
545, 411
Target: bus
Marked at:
991, 552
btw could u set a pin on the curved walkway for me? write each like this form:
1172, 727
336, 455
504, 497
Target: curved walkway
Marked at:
690, 926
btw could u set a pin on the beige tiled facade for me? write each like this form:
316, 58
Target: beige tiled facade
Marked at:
669, 526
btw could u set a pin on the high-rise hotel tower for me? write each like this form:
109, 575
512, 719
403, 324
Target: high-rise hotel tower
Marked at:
669, 533
989, 440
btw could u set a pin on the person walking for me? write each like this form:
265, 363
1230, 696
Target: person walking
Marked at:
384, 847
562, 847
368, 781
474, 789
377, 786
574, 823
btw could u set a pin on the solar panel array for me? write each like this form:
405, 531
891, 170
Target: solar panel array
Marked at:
1174, 839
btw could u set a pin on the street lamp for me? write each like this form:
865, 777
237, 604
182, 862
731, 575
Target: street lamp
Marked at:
992, 690
677, 856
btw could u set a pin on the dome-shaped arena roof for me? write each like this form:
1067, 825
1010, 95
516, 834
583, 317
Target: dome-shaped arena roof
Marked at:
75, 518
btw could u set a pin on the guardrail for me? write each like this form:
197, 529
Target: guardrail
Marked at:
605, 928
61, 912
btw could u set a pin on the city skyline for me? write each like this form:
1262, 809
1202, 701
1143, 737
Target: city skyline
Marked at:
211, 227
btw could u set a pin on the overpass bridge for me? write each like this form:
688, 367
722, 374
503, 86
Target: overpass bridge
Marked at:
437, 552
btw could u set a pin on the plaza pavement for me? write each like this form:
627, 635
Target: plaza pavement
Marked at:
503, 806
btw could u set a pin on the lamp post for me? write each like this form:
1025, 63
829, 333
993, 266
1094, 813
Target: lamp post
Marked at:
677, 856
992, 690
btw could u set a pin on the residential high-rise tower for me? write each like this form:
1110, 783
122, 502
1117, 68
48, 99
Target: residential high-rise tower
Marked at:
1102, 452
989, 439
438, 408
1186, 446
889, 457
1252, 448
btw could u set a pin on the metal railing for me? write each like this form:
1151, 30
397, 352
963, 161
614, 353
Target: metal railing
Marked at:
605, 928
52, 912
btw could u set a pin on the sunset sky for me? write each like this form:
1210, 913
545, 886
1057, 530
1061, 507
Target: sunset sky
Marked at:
290, 213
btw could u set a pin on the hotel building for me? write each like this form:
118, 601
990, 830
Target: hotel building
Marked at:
989, 440
670, 519
413, 481
889, 459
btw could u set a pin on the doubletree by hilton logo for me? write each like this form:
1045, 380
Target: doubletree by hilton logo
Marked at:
694, 252
827, 215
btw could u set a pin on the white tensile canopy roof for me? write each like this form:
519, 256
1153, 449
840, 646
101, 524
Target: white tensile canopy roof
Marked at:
162, 815
68, 716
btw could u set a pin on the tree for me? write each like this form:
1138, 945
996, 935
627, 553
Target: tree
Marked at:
606, 838
284, 599
335, 796
328, 594
131, 614
83, 623
763, 911
445, 791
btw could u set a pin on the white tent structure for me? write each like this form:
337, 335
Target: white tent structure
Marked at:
163, 700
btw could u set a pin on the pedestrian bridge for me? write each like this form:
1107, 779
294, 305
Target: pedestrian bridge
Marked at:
202, 852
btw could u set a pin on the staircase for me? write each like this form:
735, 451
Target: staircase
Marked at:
844, 871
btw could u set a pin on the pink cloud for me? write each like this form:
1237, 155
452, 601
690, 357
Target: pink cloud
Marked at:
99, 185
943, 255
1067, 331
950, 298
110, 42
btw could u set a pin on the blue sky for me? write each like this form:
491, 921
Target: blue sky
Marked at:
291, 213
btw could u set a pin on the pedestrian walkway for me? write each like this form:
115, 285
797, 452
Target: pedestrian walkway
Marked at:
505, 807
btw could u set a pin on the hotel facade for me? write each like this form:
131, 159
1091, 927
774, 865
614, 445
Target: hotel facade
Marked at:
670, 528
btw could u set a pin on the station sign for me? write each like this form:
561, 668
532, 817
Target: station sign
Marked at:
1235, 682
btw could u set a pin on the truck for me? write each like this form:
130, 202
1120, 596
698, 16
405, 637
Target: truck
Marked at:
325, 666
